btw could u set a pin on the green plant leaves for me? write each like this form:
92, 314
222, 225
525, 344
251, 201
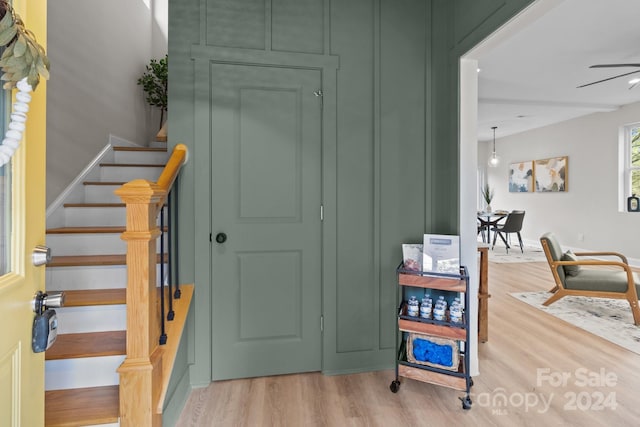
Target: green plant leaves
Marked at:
154, 83
22, 56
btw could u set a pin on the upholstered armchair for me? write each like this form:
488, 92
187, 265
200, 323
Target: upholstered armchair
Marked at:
617, 280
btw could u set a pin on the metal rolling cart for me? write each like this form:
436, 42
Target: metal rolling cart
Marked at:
435, 334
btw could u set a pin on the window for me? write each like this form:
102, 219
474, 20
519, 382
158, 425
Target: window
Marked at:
630, 148
634, 160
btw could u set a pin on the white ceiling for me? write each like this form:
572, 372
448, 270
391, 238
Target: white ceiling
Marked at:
528, 77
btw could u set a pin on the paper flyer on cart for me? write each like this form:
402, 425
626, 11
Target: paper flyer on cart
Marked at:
441, 253
412, 256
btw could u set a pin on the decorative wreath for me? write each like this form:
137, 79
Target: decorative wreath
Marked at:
23, 61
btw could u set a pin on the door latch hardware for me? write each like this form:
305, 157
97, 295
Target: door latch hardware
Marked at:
41, 255
42, 301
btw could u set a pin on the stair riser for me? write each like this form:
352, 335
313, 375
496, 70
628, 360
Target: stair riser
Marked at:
85, 372
88, 277
90, 244
85, 217
73, 320
141, 157
101, 194
158, 144
125, 174
98, 216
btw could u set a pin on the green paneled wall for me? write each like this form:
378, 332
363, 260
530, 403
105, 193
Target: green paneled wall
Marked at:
381, 163
456, 27
394, 126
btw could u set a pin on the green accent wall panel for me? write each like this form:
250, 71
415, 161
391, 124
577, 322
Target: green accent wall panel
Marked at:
233, 23
381, 170
442, 179
297, 25
456, 27
469, 14
402, 156
351, 39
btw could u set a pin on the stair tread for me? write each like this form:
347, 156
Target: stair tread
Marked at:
149, 149
87, 230
90, 297
93, 344
104, 182
88, 260
94, 205
81, 406
77, 260
133, 165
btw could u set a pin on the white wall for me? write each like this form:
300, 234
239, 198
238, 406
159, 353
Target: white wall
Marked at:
98, 49
590, 207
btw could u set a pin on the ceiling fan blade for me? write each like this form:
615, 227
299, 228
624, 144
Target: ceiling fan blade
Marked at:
614, 65
607, 79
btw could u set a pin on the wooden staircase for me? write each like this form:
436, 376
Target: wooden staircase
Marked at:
91, 270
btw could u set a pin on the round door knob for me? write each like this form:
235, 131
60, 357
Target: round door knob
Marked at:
221, 237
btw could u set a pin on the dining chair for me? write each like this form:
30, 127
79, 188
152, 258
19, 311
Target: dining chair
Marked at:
513, 224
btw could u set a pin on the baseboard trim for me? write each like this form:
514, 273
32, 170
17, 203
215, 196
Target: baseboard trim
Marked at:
175, 404
359, 370
74, 192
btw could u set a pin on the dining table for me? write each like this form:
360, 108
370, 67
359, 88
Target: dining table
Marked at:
488, 220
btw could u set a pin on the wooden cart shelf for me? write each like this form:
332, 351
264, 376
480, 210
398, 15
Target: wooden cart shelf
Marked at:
442, 331
420, 374
443, 283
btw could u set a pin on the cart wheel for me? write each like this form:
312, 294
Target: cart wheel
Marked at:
466, 402
395, 385
470, 382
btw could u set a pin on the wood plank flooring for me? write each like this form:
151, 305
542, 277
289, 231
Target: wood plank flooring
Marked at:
527, 351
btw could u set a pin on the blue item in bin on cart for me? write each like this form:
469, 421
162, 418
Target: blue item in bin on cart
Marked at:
427, 351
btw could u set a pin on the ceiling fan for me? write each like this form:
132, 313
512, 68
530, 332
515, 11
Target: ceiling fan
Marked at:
614, 77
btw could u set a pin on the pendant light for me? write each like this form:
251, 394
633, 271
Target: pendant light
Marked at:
494, 160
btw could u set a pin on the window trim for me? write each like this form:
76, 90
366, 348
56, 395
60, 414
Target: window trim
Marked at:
624, 165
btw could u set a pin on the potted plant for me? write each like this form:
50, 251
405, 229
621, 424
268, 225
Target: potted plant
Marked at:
487, 195
154, 82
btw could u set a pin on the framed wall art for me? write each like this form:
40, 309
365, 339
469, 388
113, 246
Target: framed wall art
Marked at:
551, 174
521, 177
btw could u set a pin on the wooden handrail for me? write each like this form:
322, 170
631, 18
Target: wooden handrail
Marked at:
143, 374
179, 158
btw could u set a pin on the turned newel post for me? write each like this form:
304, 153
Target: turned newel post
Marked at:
140, 373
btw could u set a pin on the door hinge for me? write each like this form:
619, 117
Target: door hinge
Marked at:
321, 323
321, 212
211, 237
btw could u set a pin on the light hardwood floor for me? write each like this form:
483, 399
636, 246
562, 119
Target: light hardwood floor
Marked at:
526, 351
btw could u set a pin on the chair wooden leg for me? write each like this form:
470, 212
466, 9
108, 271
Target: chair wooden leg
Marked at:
555, 297
635, 310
